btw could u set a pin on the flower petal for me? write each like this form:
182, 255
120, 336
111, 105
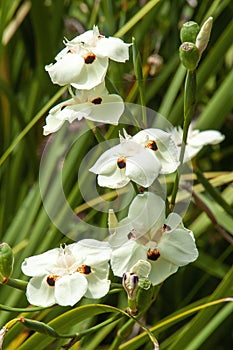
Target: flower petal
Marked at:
178, 247
167, 152
91, 251
114, 48
126, 257
41, 264
202, 138
109, 111
143, 168
66, 70
98, 284
117, 179
146, 212
69, 289
92, 74
160, 270
39, 292
52, 125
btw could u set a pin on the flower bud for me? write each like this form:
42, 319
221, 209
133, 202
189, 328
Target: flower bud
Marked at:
37, 326
189, 55
112, 221
189, 31
6, 261
130, 284
204, 35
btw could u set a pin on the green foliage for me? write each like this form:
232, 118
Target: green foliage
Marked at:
26, 95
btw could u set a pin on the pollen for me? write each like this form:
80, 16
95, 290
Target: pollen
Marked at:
121, 163
153, 254
152, 145
51, 279
84, 269
90, 58
97, 101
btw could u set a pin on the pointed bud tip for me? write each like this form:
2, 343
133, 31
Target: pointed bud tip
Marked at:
6, 262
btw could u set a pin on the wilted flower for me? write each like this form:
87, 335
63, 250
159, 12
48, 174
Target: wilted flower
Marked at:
196, 140
84, 61
146, 234
95, 104
124, 162
64, 275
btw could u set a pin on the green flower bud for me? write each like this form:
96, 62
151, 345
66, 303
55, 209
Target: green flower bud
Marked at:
144, 294
37, 326
6, 261
189, 31
189, 55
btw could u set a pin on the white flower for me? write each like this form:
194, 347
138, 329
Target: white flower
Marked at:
124, 162
95, 104
146, 234
64, 275
196, 140
160, 144
2, 335
84, 61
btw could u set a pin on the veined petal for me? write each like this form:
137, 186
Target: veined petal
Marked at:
178, 247
66, 70
126, 257
92, 74
160, 270
41, 264
69, 289
174, 221
39, 292
114, 48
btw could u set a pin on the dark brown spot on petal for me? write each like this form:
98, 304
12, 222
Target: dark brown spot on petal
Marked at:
121, 163
152, 145
90, 58
51, 280
130, 235
85, 269
97, 101
166, 228
153, 254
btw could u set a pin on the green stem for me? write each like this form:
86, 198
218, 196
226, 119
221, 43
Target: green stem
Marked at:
16, 283
189, 109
